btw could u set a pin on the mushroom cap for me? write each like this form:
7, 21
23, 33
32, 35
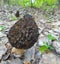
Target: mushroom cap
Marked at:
24, 33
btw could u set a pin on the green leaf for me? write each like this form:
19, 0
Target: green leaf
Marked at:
2, 28
46, 47
50, 47
43, 48
50, 37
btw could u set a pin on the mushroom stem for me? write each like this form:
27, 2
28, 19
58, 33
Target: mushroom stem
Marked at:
17, 51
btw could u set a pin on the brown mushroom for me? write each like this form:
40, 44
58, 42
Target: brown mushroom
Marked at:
23, 34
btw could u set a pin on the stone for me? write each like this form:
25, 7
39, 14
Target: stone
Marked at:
3, 50
3, 62
2, 34
41, 40
49, 58
29, 54
16, 61
56, 45
4, 40
12, 61
57, 30
56, 23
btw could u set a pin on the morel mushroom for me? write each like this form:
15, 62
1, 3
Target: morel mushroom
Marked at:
24, 33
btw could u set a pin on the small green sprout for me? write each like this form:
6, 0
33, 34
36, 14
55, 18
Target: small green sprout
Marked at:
43, 48
46, 47
50, 37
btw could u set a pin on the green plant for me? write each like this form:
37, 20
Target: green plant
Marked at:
51, 37
46, 47
50, 47
43, 49
46, 5
2, 28
35, 3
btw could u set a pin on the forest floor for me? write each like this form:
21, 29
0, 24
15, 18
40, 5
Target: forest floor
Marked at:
48, 23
